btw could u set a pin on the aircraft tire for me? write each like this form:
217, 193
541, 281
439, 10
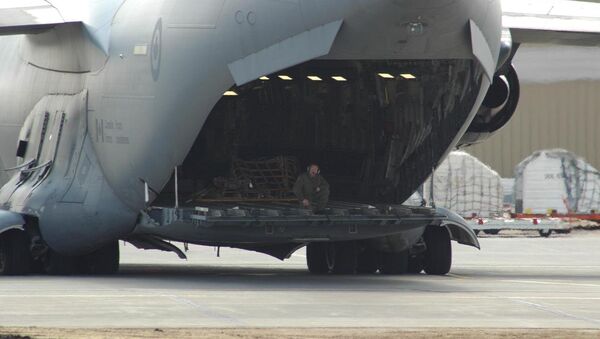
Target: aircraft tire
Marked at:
345, 257
316, 258
104, 261
438, 257
368, 262
394, 263
15, 257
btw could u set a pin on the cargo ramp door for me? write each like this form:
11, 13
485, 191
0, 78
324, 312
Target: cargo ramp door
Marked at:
250, 225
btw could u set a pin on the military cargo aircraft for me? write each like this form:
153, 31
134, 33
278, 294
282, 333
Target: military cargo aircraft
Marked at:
103, 103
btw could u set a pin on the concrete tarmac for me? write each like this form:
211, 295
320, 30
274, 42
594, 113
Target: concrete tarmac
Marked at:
514, 282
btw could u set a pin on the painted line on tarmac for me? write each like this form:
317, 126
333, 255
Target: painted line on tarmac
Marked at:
527, 297
551, 283
558, 312
206, 311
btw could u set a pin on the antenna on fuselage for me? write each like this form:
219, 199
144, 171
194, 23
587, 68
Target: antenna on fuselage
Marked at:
147, 190
431, 191
146, 194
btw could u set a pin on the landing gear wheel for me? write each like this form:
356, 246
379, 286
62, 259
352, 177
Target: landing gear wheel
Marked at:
415, 264
15, 257
367, 261
545, 233
345, 257
438, 257
316, 258
58, 264
335, 257
394, 263
103, 261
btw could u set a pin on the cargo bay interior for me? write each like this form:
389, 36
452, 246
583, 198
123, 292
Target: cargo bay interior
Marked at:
369, 124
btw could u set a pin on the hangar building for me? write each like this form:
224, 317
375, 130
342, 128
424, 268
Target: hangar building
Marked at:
559, 108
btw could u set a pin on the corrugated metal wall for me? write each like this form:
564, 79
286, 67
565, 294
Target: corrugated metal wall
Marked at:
557, 115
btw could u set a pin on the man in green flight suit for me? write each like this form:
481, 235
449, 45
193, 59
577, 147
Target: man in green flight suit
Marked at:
312, 189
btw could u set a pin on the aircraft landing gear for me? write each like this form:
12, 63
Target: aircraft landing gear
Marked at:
334, 257
317, 258
368, 261
438, 257
433, 255
415, 263
345, 258
394, 263
101, 262
54, 263
15, 257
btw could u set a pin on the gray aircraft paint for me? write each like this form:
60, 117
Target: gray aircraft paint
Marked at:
97, 16
3, 174
148, 98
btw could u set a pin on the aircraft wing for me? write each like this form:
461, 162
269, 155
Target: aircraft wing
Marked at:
562, 22
27, 16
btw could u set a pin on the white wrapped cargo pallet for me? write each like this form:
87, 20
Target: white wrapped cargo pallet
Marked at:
508, 185
464, 185
415, 200
556, 180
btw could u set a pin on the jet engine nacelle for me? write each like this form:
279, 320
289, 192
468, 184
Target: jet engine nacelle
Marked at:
498, 107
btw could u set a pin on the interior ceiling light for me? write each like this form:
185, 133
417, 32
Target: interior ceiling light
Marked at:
314, 78
339, 78
230, 94
386, 75
408, 76
285, 77
264, 78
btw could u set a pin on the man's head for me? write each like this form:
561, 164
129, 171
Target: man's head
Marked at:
313, 170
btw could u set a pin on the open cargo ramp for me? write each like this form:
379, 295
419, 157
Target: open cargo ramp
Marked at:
278, 228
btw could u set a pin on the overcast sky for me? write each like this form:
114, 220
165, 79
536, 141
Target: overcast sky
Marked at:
541, 63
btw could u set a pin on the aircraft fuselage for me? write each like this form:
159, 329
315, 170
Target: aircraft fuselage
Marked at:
168, 65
